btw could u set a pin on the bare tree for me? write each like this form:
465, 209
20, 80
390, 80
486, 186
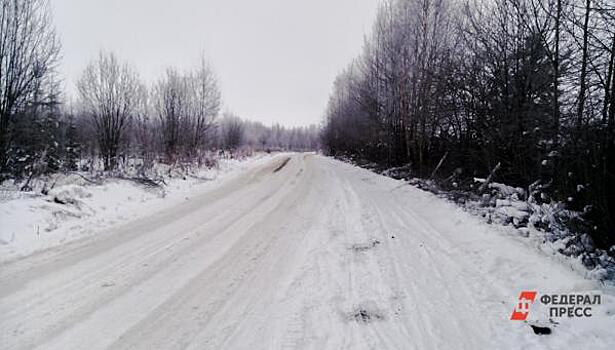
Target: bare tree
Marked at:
29, 50
527, 84
170, 104
232, 132
187, 105
205, 102
143, 129
109, 95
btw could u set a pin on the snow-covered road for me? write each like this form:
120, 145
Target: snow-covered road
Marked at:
306, 253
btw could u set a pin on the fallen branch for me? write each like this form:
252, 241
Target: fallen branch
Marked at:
486, 183
89, 180
439, 165
146, 181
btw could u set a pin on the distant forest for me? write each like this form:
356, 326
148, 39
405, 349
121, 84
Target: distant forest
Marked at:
523, 90
115, 117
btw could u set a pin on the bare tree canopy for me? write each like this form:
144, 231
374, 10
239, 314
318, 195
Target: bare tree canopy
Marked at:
206, 101
170, 95
527, 84
232, 132
29, 50
187, 105
109, 93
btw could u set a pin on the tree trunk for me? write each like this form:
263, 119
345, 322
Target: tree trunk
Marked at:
608, 90
556, 112
582, 90
611, 122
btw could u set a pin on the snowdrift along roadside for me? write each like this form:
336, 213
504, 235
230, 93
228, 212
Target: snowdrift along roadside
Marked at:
550, 227
75, 208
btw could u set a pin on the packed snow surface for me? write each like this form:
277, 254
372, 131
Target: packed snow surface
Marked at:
303, 253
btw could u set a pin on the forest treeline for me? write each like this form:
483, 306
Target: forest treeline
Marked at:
521, 89
114, 117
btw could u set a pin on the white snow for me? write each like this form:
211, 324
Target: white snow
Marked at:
32, 222
506, 190
317, 255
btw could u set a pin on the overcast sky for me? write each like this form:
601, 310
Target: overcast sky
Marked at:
276, 59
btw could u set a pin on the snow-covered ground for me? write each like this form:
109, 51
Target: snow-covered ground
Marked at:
75, 208
308, 253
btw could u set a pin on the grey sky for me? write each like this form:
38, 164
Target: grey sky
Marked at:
276, 59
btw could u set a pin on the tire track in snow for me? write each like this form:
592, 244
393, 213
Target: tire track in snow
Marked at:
58, 301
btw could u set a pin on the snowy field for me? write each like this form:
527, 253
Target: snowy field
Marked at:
285, 252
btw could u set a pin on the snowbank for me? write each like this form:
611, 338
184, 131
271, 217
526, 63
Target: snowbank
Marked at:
77, 206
